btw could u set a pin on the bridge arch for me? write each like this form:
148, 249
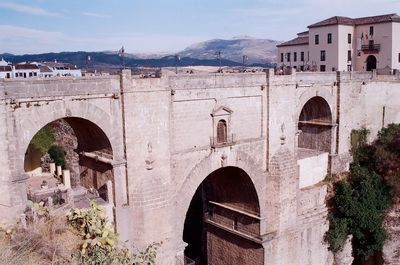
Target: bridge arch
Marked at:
99, 146
29, 125
206, 177
315, 125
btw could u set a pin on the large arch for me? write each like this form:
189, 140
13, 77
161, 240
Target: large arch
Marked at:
224, 214
315, 124
212, 162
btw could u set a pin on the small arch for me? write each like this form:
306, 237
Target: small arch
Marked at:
222, 132
371, 63
315, 124
87, 153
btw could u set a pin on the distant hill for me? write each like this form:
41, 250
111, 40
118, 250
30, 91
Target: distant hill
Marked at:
260, 52
107, 59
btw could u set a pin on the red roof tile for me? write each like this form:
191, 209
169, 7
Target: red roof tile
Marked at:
296, 41
337, 20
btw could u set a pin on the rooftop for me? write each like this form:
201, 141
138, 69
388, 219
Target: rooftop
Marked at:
295, 41
338, 20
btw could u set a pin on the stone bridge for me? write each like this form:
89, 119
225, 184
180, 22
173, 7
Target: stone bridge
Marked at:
222, 168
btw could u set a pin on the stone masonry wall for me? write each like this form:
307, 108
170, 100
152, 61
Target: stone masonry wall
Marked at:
161, 131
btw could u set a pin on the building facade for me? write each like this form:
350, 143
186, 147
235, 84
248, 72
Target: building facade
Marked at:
346, 44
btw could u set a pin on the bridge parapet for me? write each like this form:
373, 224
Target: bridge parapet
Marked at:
52, 87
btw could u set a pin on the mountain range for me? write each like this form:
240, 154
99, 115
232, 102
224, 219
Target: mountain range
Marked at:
232, 52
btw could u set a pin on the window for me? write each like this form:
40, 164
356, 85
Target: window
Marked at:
301, 67
302, 56
34, 74
222, 132
371, 44
281, 57
316, 39
399, 57
323, 55
295, 57
371, 30
30, 74
8, 74
288, 56
329, 37
322, 68
349, 55
349, 38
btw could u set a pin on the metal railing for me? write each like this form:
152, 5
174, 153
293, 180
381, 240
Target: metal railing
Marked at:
371, 47
215, 142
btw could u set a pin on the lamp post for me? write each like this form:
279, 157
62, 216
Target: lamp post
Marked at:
88, 59
121, 53
177, 59
218, 53
244, 59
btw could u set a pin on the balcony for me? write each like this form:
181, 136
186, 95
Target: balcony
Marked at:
371, 48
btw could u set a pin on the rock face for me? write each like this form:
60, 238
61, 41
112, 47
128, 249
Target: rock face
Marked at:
345, 256
66, 138
391, 249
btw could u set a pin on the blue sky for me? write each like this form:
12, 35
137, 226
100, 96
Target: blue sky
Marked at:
148, 26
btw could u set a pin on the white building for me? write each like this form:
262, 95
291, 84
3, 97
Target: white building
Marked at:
35, 69
345, 44
62, 69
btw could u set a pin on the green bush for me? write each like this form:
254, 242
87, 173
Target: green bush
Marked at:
360, 201
57, 154
100, 241
43, 139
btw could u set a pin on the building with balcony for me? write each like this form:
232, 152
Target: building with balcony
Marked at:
345, 44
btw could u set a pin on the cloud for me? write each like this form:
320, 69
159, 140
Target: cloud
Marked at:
32, 10
21, 40
97, 15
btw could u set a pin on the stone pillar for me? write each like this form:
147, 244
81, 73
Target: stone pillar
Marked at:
121, 187
66, 179
52, 168
59, 170
110, 192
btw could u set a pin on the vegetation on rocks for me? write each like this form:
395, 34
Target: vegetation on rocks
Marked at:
43, 139
57, 154
83, 236
361, 199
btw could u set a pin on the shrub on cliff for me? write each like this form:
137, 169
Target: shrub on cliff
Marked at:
57, 154
360, 201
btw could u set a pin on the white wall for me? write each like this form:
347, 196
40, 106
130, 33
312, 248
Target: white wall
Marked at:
344, 46
395, 45
331, 50
312, 170
292, 49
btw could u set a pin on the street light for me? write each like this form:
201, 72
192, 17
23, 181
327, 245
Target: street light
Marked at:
218, 53
177, 59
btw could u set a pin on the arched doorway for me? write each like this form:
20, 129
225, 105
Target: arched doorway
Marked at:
222, 224
315, 125
83, 152
371, 63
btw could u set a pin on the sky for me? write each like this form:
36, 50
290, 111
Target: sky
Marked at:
153, 26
